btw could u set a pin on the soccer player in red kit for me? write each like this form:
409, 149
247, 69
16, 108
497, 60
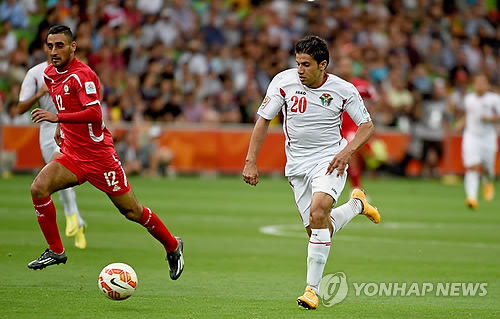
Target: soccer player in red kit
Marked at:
88, 154
349, 128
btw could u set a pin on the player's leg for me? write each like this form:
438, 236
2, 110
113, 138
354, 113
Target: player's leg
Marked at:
302, 190
489, 158
53, 177
318, 248
471, 184
472, 162
325, 190
132, 210
108, 175
75, 225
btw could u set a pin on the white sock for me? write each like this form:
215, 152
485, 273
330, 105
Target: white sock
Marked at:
471, 184
343, 214
317, 255
68, 199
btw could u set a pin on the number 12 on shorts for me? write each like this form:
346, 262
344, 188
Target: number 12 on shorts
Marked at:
110, 178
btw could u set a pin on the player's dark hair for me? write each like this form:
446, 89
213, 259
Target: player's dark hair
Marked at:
315, 47
57, 29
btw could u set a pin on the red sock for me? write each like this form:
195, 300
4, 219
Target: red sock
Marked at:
155, 227
354, 173
46, 214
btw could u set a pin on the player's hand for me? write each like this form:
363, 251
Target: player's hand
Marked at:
57, 135
250, 174
38, 115
339, 162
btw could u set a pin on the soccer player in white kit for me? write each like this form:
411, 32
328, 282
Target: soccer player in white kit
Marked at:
479, 143
33, 89
312, 103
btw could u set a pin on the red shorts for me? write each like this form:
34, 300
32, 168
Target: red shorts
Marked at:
106, 174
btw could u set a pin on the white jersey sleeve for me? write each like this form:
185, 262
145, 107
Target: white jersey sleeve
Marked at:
274, 100
28, 87
356, 109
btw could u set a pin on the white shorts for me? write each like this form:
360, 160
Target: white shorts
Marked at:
47, 143
478, 151
315, 180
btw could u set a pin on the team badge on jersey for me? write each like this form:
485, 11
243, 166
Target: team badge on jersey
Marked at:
265, 102
90, 88
66, 89
364, 111
326, 99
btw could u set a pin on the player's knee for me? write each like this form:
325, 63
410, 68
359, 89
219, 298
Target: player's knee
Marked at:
317, 218
38, 190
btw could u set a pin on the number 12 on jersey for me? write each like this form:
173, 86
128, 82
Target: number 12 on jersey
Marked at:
60, 106
110, 178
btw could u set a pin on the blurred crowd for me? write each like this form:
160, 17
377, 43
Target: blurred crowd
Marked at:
211, 61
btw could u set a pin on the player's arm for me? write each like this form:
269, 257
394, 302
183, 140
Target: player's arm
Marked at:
495, 118
250, 172
91, 114
25, 105
340, 161
88, 97
28, 94
491, 119
270, 107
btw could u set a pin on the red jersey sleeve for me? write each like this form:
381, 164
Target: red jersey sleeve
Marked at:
89, 91
92, 113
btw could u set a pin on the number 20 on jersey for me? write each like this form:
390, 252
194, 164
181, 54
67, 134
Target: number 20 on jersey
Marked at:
299, 104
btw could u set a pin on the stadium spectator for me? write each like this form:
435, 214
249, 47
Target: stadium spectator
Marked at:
400, 100
13, 12
432, 125
8, 40
398, 46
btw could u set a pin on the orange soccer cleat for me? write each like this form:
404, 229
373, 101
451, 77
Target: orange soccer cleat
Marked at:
488, 192
368, 210
471, 203
309, 300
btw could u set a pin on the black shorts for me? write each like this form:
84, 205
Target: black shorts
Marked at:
437, 146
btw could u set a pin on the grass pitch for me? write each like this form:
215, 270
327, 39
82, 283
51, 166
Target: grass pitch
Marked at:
235, 270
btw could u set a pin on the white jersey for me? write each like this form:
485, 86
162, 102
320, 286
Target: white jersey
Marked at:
312, 117
477, 107
32, 83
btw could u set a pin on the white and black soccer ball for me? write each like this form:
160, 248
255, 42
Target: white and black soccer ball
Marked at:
117, 281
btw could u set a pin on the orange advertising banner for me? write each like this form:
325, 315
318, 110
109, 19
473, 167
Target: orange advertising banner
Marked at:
224, 149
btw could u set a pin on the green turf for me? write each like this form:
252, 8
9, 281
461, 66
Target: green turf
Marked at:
233, 270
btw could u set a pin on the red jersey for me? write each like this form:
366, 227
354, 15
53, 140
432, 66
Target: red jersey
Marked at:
367, 91
74, 90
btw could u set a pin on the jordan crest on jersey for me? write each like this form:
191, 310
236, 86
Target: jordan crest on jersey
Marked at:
326, 99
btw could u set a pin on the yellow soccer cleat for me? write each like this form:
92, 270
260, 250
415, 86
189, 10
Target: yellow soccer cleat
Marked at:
309, 300
368, 210
80, 240
471, 203
71, 225
488, 192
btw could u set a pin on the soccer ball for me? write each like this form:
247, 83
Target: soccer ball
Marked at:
117, 281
